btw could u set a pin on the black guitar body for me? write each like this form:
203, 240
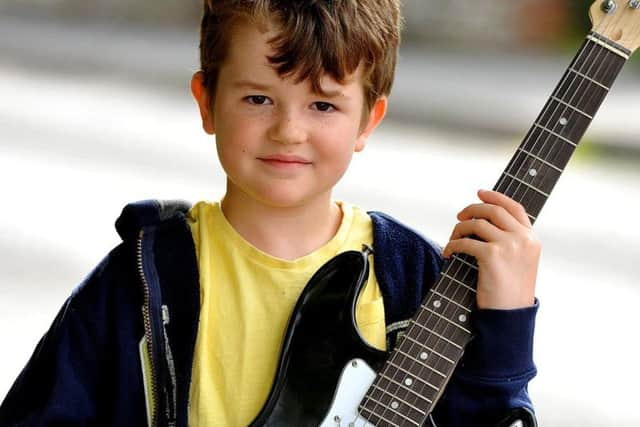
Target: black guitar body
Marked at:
321, 338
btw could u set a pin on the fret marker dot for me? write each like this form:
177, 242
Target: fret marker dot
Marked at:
563, 121
424, 355
462, 318
533, 172
408, 382
437, 304
395, 405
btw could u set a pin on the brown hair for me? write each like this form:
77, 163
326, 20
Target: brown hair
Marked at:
314, 37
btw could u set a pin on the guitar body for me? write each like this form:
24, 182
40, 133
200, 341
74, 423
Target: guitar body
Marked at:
321, 339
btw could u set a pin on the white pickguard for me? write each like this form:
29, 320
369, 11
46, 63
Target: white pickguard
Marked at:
355, 380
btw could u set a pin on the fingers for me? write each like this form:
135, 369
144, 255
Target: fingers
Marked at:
466, 245
496, 215
475, 227
498, 234
500, 210
487, 222
515, 209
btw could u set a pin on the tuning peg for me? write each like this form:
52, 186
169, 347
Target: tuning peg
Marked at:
609, 6
634, 4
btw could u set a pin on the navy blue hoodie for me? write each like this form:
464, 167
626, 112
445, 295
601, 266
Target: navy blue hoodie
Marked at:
86, 370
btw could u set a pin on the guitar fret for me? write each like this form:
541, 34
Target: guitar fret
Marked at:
421, 363
532, 201
431, 368
382, 417
449, 300
404, 402
589, 78
458, 282
557, 135
429, 349
551, 165
590, 117
447, 319
404, 387
438, 335
413, 359
533, 187
573, 90
468, 264
532, 218
532, 172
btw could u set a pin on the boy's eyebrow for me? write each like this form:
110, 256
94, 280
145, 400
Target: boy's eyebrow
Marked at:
337, 93
249, 84
333, 93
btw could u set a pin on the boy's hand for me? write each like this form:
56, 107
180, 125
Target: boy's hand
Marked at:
508, 255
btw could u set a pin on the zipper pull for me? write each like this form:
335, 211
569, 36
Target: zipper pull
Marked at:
165, 315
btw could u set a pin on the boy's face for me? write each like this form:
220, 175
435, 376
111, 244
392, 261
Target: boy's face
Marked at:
279, 143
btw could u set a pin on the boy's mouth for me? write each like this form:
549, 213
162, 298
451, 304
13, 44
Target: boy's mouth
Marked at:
284, 160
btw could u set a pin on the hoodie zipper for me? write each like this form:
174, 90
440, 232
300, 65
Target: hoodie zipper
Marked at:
170, 394
171, 398
146, 316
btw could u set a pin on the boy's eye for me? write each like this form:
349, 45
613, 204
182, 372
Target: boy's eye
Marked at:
323, 106
257, 99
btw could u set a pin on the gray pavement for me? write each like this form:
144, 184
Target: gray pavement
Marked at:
495, 92
78, 141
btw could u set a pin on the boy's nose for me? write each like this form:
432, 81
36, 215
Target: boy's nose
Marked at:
287, 129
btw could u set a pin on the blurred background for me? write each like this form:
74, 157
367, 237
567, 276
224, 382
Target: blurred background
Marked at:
95, 112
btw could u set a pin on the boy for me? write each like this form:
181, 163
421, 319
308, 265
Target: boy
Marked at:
290, 89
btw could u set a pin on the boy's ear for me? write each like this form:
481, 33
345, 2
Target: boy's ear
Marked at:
376, 115
201, 95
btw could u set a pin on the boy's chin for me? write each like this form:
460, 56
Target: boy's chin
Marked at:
279, 195
290, 202
293, 199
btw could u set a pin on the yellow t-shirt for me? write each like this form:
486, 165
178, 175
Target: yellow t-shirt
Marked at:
246, 299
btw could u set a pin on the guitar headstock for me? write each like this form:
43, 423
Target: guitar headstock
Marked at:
618, 20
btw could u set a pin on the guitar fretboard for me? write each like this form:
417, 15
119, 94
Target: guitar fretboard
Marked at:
413, 378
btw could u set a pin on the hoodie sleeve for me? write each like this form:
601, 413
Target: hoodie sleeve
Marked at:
68, 380
492, 377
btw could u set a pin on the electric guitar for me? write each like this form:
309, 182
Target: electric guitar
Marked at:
328, 376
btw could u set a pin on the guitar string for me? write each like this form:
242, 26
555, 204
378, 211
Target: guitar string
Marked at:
468, 269
544, 143
552, 113
556, 142
530, 145
437, 346
465, 269
591, 95
607, 72
448, 270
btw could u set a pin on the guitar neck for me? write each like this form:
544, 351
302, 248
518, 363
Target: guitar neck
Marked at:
541, 158
414, 376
